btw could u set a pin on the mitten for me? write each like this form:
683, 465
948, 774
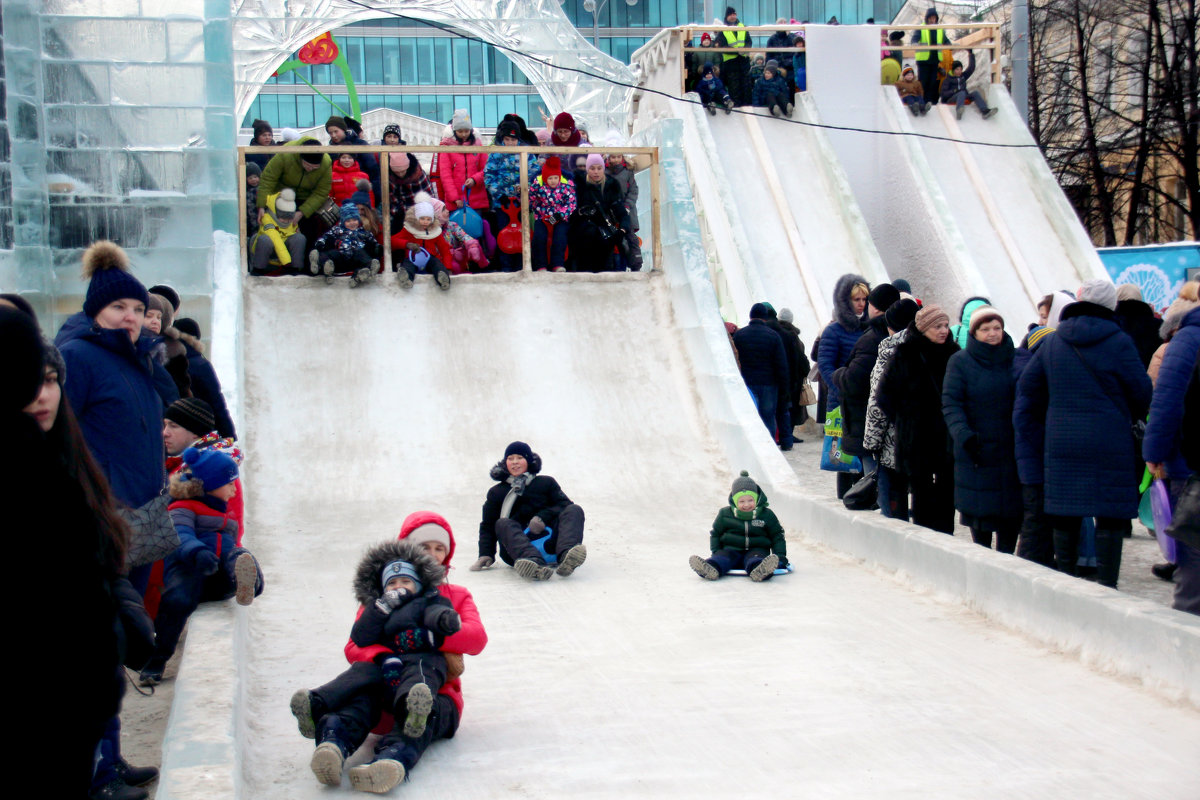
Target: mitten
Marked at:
206, 561
414, 246
390, 600
783, 562
443, 620
536, 525
483, 562
454, 664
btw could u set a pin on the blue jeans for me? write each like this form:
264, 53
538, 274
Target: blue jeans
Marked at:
766, 398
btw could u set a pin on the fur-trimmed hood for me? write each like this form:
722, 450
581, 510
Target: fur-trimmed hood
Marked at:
410, 218
185, 487
843, 310
499, 471
370, 569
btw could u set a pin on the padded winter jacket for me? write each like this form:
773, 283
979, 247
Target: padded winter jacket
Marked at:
109, 385
552, 205
625, 178
206, 386
761, 355
202, 524
977, 402
711, 90
457, 167
754, 530
765, 87
1087, 384
1164, 431
342, 184
470, 639
502, 174
542, 498
839, 336
952, 85
1137, 319
286, 170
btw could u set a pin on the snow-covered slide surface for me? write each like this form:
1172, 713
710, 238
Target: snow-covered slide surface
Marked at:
634, 677
781, 189
1019, 227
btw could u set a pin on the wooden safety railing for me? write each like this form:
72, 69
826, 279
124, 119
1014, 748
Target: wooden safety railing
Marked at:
982, 35
381, 152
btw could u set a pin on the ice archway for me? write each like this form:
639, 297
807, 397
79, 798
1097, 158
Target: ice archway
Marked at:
538, 33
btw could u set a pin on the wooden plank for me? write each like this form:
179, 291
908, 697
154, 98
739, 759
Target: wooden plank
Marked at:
385, 218
526, 250
656, 211
243, 227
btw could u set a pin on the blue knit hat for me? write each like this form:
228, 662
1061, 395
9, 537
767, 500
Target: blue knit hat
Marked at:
400, 569
107, 268
349, 211
212, 468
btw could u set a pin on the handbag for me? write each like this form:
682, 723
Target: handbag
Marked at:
468, 218
833, 458
808, 395
329, 213
152, 534
1185, 526
864, 494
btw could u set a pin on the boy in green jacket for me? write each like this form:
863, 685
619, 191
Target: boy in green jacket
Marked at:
745, 535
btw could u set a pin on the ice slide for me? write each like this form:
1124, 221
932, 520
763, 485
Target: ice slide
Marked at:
1023, 237
783, 219
634, 677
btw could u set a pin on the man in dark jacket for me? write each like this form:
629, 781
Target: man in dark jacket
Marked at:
1137, 319
798, 374
853, 381
1164, 445
783, 405
954, 89
205, 384
763, 362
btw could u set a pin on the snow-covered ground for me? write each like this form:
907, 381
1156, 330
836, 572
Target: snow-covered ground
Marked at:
633, 677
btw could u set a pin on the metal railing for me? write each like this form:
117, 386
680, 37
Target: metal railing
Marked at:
982, 35
385, 186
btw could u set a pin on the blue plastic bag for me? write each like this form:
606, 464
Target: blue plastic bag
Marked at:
468, 218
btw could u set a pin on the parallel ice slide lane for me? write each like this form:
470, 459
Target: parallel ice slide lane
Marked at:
634, 677
1020, 229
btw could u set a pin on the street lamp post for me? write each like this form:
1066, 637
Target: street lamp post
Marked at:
591, 7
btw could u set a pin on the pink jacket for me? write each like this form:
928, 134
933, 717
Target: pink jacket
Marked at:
457, 167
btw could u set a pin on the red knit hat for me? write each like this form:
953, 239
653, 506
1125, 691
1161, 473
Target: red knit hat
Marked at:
553, 166
564, 120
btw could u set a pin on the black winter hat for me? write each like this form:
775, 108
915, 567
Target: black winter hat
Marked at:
193, 415
21, 360
519, 449
336, 122
900, 314
729, 10
189, 326
882, 296
253, 169
758, 311
260, 126
901, 284
508, 128
166, 291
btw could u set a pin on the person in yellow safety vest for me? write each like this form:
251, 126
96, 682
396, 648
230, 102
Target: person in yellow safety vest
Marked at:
735, 67
927, 60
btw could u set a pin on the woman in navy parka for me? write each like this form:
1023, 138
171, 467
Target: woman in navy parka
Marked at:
1087, 384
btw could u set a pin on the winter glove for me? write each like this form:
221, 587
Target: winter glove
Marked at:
973, 448
454, 665
391, 600
443, 620
414, 246
783, 562
206, 562
415, 640
536, 526
483, 562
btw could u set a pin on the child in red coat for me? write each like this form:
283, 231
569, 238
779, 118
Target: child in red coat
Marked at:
422, 245
346, 175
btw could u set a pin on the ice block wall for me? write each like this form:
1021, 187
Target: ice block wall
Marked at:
121, 127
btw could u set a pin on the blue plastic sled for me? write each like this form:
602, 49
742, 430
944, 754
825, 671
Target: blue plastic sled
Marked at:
540, 544
780, 571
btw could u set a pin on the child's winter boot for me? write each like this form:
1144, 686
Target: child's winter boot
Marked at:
913, 108
403, 278
991, 112
327, 268
958, 112
245, 574
774, 109
711, 108
327, 761
313, 266
789, 109
703, 568
306, 716
765, 568
361, 275
419, 704
569, 561
380, 776
528, 568
728, 104
924, 108
443, 279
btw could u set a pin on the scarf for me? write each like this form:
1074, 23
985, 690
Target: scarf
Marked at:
518, 484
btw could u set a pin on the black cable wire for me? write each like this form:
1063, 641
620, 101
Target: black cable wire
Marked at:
451, 29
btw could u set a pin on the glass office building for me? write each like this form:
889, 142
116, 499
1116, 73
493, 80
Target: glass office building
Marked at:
426, 71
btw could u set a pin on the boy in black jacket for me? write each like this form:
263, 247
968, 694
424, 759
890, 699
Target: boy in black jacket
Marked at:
954, 89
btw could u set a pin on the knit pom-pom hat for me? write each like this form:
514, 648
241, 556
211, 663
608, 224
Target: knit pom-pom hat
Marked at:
106, 267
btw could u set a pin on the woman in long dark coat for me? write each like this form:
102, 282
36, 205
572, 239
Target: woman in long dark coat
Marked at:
977, 403
1075, 403
911, 395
